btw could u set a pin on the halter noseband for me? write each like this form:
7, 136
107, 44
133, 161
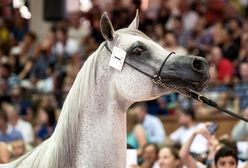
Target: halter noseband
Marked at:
155, 78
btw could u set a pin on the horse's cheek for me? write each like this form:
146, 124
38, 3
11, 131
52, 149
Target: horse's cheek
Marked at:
134, 87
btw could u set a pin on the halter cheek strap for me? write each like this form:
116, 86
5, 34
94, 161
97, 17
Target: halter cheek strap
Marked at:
155, 78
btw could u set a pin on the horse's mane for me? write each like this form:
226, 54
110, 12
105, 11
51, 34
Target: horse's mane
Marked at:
57, 150
72, 109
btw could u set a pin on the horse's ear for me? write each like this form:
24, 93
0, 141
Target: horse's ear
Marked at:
135, 22
106, 27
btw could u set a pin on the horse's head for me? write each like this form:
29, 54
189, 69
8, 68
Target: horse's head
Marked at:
150, 71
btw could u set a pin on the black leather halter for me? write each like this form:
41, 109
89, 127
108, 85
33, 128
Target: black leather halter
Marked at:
158, 80
155, 78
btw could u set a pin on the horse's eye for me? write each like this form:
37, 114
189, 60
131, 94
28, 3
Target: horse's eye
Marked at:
137, 50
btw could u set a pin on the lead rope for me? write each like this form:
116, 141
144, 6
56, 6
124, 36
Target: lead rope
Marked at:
198, 97
157, 80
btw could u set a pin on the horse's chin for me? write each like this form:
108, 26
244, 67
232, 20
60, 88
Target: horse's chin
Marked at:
183, 87
193, 87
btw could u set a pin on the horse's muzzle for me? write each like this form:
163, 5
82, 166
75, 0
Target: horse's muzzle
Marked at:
186, 71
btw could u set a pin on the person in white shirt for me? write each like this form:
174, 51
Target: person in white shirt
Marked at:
24, 127
152, 124
188, 124
240, 130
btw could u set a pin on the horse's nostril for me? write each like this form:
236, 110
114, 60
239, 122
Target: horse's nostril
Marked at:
198, 64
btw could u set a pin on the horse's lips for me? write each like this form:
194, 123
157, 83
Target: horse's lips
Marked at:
185, 85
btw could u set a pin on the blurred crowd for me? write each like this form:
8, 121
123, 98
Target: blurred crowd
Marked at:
193, 144
36, 74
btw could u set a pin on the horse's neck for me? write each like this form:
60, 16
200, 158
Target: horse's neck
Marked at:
87, 122
102, 131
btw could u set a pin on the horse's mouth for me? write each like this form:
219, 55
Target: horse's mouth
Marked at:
194, 86
184, 86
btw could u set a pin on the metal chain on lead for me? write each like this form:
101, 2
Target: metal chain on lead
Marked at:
157, 80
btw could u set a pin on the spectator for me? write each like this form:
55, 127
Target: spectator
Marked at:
236, 27
230, 49
64, 47
39, 69
168, 157
187, 159
200, 38
7, 134
240, 130
11, 151
216, 32
46, 122
78, 30
90, 45
243, 52
24, 52
189, 16
158, 33
17, 149
241, 88
15, 122
216, 145
171, 44
214, 11
187, 120
225, 68
152, 124
182, 35
20, 26
4, 153
5, 74
226, 157
136, 135
4, 32
28, 45
150, 156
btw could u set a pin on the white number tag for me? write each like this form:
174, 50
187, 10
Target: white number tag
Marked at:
117, 58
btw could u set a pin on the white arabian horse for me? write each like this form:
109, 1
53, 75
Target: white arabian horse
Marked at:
91, 131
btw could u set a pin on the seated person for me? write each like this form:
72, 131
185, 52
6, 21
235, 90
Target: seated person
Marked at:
226, 157
7, 134
15, 121
4, 153
223, 149
188, 124
240, 88
136, 135
150, 156
240, 130
11, 151
168, 157
152, 124
187, 159
17, 149
46, 123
